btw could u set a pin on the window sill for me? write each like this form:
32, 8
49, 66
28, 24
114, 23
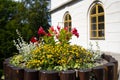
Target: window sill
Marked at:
97, 38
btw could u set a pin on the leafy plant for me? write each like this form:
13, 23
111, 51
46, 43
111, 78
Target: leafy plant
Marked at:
52, 51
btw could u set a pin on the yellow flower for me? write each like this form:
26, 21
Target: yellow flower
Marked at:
49, 56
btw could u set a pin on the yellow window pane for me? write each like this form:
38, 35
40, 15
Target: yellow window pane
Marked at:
101, 26
69, 17
101, 34
93, 34
65, 24
69, 28
69, 23
101, 18
65, 18
100, 9
93, 10
93, 27
93, 19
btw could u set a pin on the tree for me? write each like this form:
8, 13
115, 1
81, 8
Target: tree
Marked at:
26, 16
7, 33
37, 13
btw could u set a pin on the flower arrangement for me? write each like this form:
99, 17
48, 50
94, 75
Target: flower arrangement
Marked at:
52, 51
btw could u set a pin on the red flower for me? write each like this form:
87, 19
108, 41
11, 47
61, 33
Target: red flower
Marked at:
76, 34
33, 39
49, 34
58, 27
55, 32
66, 28
52, 28
74, 31
41, 31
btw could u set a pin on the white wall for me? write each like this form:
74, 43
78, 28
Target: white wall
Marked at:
56, 3
112, 16
80, 19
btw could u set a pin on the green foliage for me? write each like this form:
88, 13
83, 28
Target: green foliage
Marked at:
49, 54
7, 32
37, 13
17, 60
50, 57
16, 15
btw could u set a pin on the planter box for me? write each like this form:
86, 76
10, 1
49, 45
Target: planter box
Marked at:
84, 74
31, 74
99, 72
68, 75
48, 75
105, 72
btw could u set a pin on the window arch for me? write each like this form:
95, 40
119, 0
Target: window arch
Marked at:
67, 21
97, 22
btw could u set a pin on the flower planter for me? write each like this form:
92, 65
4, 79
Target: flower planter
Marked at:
107, 71
99, 72
6, 68
48, 75
111, 60
68, 75
84, 74
17, 73
31, 74
115, 67
110, 71
9, 71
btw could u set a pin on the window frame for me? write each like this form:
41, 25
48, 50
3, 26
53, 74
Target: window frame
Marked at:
68, 21
96, 35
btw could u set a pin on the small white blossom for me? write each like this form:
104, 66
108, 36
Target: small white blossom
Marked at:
23, 47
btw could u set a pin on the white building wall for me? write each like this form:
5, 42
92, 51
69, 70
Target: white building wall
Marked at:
112, 16
56, 3
80, 19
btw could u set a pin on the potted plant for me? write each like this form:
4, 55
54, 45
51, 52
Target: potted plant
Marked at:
52, 53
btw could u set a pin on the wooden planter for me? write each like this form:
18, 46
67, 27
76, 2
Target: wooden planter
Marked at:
68, 75
84, 74
30, 74
99, 73
48, 75
18, 73
105, 72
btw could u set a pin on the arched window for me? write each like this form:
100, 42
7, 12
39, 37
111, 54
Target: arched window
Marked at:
97, 22
67, 21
